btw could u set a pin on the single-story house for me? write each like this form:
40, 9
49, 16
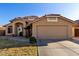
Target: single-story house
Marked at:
50, 26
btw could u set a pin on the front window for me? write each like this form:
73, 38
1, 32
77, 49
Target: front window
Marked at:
30, 18
10, 29
52, 19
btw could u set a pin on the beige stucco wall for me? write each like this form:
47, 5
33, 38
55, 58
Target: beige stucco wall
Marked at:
13, 26
62, 22
2, 30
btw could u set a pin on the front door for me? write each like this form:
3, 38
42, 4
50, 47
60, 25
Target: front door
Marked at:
21, 34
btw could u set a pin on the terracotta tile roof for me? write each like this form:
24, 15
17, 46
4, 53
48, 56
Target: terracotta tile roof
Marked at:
36, 18
60, 17
6, 24
67, 19
25, 18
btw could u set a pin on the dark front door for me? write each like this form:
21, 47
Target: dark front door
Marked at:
28, 32
21, 34
76, 32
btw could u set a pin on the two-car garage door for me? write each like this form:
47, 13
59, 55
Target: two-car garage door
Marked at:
52, 32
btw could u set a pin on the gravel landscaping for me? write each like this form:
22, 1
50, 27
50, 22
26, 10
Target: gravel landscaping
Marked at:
19, 51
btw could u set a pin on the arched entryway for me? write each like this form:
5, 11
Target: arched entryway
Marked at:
19, 29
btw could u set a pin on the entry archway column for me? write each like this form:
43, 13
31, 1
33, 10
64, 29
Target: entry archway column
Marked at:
14, 29
24, 31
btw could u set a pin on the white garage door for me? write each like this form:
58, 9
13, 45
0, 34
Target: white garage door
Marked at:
52, 32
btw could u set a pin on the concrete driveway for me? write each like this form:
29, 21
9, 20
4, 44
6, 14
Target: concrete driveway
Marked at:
60, 48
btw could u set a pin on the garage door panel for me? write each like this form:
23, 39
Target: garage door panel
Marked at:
52, 32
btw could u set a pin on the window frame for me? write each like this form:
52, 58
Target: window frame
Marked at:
52, 20
10, 29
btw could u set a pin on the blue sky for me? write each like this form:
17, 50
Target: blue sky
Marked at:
9, 11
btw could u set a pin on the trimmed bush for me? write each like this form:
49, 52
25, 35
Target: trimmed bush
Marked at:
32, 40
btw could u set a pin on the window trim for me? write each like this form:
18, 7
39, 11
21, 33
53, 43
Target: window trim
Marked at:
31, 18
53, 20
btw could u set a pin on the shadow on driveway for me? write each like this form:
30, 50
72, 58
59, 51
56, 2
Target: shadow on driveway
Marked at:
44, 42
75, 40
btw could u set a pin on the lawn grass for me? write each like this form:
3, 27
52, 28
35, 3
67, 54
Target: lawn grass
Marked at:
17, 48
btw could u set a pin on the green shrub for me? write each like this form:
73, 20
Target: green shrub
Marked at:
33, 40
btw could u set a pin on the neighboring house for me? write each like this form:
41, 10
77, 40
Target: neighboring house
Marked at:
51, 26
2, 30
